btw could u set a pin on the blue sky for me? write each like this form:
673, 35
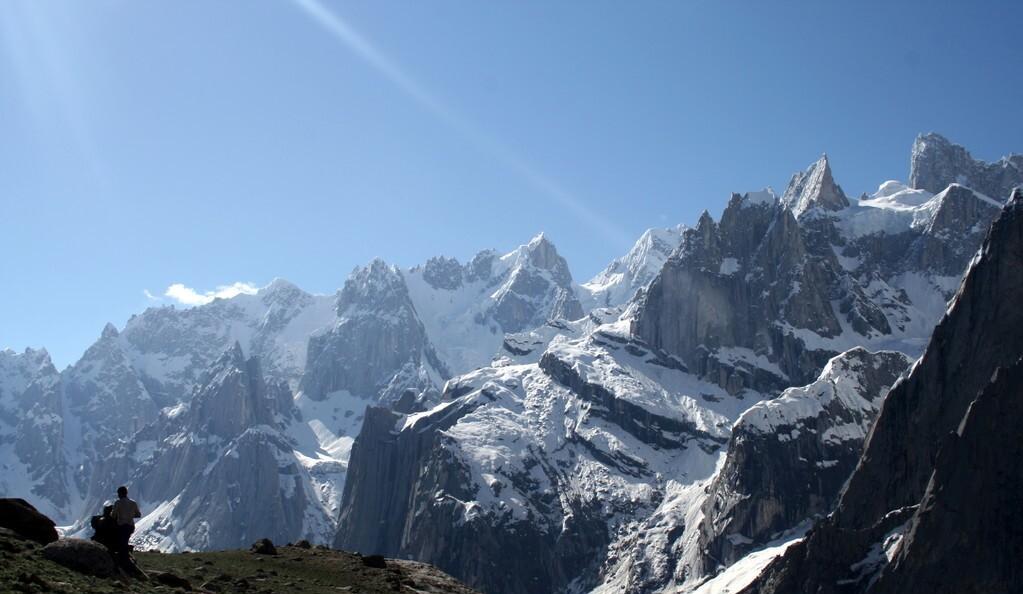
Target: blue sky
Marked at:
147, 144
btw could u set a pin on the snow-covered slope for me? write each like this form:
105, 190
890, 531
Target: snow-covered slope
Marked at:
931, 504
796, 290
935, 163
233, 464
495, 482
33, 456
617, 283
171, 347
468, 309
524, 432
537, 465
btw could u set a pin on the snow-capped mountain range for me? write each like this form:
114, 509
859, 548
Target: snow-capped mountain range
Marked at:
653, 428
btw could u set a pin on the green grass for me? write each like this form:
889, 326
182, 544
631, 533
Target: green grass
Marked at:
293, 569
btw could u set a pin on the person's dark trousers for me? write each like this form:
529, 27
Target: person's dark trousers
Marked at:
123, 536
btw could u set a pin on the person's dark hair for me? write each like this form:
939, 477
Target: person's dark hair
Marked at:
122, 491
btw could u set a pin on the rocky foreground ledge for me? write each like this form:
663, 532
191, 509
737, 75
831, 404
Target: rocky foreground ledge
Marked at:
31, 562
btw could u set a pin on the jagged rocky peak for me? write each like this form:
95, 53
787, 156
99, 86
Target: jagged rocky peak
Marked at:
937, 162
814, 187
958, 219
106, 391
545, 256
283, 293
235, 396
538, 287
789, 457
481, 267
223, 469
109, 331
959, 209
31, 431
443, 273
17, 370
918, 501
739, 284
617, 283
744, 221
377, 334
701, 245
376, 286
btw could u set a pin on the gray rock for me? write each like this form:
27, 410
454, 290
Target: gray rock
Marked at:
376, 335
538, 287
263, 546
413, 489
223, 463
966, 517
789, 457
814, 188
936, 163
913, 475
769, 278
32, 416
443, 273
959, 225
83, 556
171, 580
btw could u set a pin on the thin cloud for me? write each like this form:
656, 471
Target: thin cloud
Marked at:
150, 296
189, 296
390, 70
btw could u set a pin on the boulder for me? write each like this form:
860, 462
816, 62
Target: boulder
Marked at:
84, 556
375, 561
264, 546
19, 516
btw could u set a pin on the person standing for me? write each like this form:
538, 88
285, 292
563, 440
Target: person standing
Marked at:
124, 513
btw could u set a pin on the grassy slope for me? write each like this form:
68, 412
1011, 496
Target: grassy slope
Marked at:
22, 569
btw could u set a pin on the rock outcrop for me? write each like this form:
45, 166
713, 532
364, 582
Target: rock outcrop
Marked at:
21, 517
518, 480
812, 188
83, 556
938, 468
799, 280
788, 457
223, 469
936, 163
377, 334
33, 415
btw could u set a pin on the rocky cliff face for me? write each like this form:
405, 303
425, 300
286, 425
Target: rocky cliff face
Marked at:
814, 188
975, 483
521, 477
911, 475
375, 342
798, 280
537, 287
223, 469
587, 436
936, 163
378, 334
788, 457
744, 308
125, 378
171, 348
32, 452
